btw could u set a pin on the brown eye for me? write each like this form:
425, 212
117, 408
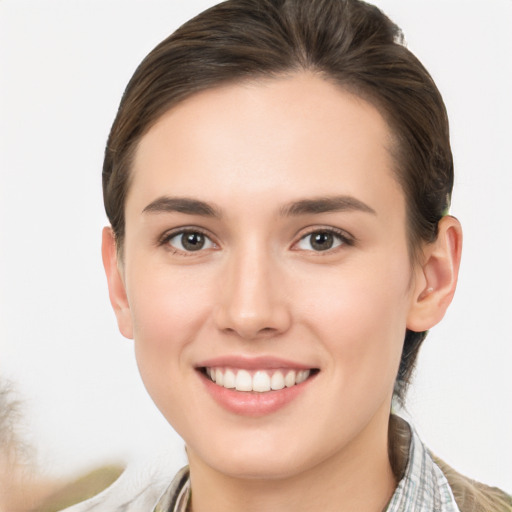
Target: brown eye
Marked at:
190, 241
322, 240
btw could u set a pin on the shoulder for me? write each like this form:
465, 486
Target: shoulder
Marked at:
425, 479
473, 496
80, 489
138, 489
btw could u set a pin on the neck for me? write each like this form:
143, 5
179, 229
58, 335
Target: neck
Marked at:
359, 478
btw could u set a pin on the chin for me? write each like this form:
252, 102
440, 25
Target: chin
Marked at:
260, 459
258, 468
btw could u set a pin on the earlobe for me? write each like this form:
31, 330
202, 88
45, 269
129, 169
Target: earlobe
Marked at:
116, 286
437, 281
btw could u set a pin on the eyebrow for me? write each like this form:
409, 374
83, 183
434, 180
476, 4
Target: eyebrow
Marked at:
189, 206
326, 205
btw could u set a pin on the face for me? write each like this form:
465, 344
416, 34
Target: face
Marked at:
266, 250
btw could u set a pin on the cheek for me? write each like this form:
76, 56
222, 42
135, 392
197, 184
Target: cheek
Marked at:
168, 306
359, 312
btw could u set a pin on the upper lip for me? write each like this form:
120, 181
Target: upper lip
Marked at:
252, 363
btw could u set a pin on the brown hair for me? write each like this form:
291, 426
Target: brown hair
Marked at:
348, 42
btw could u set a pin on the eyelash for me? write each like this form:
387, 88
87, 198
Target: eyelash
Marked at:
343, 237
167, 237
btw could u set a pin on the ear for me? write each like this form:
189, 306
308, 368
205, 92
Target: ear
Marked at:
115, 280
436, 279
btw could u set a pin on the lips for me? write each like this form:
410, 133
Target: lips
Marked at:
255, 386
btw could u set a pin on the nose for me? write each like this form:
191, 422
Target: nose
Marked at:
252, 298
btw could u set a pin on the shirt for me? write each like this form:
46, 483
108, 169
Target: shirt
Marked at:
422, 488
422, 485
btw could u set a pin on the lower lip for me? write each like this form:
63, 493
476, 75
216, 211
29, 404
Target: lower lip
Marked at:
253, 403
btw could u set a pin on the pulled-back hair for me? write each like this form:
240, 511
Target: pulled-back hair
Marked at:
347, 42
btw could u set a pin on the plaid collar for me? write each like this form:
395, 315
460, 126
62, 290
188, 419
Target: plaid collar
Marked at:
422, 488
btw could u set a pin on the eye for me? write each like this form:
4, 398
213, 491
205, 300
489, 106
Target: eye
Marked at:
322, 240
189, 241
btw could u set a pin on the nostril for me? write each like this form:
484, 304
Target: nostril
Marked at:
246, 332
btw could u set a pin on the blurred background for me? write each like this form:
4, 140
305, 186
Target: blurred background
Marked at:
63, 68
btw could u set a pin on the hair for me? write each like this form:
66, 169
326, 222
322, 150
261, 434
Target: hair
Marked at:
347, 42
9, 416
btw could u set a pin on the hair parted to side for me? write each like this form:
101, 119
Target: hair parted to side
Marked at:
348, 42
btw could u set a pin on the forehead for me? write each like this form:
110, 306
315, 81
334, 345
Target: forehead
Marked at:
274, 138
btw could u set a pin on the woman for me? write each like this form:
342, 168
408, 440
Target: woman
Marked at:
277, 181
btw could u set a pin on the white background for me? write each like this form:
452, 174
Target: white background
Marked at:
63, 67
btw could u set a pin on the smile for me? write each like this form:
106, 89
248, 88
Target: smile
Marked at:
260, 381
255, 386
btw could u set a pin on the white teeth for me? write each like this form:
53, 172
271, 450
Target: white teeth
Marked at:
277, 381
302, 376
260, 381
243, 381
289, 380
229, 379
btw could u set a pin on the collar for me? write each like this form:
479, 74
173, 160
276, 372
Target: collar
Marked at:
422, 486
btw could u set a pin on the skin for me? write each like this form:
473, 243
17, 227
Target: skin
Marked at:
259, 288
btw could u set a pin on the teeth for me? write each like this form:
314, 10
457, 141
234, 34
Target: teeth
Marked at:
301, 376
229, 379
289, 380
277, 381
243, 381
260, 381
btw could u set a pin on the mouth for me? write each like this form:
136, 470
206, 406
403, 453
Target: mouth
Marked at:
257, 380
